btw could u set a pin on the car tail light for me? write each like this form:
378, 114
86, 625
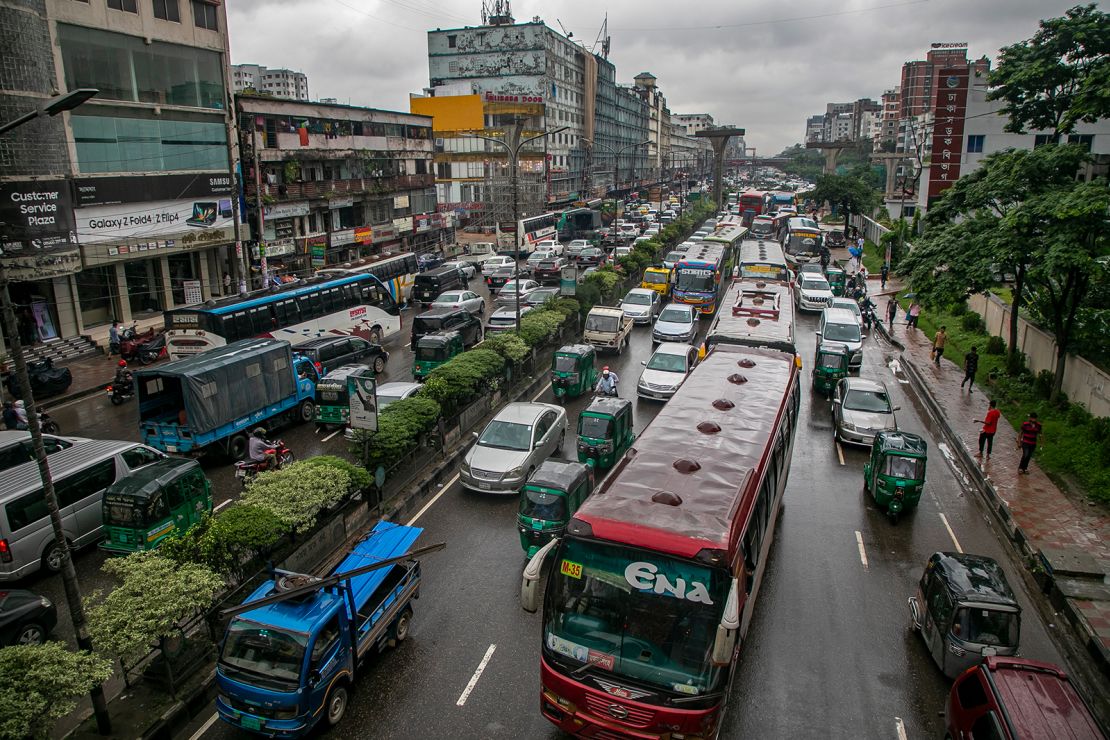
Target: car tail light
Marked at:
5, 552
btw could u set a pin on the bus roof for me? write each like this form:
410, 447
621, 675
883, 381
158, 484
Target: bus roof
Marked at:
292, 290
761, 250
729, 234
802, 222
686, 484
702, 254
755, 314
752, 194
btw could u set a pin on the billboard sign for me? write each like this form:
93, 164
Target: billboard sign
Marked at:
949, 111
107, 191
39, 240
189, 220
363, 395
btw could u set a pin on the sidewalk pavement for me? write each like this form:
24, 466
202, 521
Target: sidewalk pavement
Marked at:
1067, 541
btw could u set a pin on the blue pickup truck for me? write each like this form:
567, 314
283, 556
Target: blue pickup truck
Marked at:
289, 663
215, 399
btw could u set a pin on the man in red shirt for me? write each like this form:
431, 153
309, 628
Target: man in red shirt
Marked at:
990, 427
1027, 441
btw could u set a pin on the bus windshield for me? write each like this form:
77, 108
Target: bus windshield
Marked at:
266, 655
696, 279
765, 271
643, 615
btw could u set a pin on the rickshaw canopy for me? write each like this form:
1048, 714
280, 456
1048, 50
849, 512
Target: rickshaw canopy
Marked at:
972, 578
150, 480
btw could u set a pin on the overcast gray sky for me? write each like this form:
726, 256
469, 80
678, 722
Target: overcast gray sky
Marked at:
761, 66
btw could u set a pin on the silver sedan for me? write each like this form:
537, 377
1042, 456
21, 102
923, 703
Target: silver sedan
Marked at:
467, 299
861, 409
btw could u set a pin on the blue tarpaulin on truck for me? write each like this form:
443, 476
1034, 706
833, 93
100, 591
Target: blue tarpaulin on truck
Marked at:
387, 540
218, 386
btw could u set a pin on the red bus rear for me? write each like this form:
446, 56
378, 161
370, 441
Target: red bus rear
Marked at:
653, 586
751, 205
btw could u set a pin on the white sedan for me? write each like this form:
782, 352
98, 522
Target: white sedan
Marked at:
666, 369
467, 299
507, 296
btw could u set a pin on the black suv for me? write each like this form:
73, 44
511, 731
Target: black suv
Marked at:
328, 353
448, 319
426, 286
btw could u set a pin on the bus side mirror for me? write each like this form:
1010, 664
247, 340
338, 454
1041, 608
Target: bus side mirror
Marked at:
728, 629
529, 583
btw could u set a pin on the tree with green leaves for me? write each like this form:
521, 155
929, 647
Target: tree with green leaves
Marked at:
297, 493
1059, 77
850, 193
39, 684
154, 594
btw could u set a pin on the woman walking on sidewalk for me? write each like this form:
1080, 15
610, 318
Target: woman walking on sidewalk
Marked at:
913, 314
990, 428
1027, 441
939, 340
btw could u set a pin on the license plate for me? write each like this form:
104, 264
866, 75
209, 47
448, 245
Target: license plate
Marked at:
171, 448
239, 473
483, 486
250, 723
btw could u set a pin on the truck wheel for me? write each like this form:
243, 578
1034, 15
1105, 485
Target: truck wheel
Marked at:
401, 626
337, 704
306, 412
237, 447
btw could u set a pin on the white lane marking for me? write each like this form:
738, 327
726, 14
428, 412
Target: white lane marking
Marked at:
951, 534
542, 391
951, 458
220, 506
204, 728
900, 728
474, 679
435, 498
862, 550
840, 452
337, 431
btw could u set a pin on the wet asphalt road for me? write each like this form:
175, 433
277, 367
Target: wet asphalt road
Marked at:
828, 654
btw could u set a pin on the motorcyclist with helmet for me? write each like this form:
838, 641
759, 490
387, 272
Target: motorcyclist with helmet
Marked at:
123, 377
607, 383
262, 450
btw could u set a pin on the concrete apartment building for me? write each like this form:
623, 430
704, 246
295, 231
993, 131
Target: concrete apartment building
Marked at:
691, 123
659, 123
335, 183
140, 175
281, 83
815, 128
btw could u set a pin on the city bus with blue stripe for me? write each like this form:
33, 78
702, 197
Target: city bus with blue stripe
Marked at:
354, 304
699, 276
396, 271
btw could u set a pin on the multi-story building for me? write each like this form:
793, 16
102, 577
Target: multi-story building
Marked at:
659, 123
917, 91
281, 83
691, 123
139, 177
844, 121
559, 83
335, 183
815, 128
886, 133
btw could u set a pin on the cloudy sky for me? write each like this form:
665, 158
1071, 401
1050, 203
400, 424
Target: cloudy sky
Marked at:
758, 65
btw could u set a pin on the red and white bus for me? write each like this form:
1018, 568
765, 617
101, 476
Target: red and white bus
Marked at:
654, 584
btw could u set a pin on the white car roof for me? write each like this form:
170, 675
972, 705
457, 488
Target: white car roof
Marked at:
640, 291
672, 348
524, 413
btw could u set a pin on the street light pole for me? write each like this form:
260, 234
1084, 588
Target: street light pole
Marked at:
513, 147
72, 588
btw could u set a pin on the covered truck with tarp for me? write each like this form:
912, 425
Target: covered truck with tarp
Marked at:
212, 401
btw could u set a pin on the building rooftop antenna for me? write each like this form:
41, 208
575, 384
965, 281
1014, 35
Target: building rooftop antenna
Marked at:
497, 13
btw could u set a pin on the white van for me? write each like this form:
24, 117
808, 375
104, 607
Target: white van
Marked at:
840, 325
81, 474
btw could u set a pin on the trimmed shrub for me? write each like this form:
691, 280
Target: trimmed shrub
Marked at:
400, 427
360, 476
466, 376
996, 345
973, 322
225, 540
507, 344
537, 327
298, 492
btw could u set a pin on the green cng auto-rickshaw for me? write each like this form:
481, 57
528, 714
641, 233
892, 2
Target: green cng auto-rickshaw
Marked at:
548, 501
143, 508
605, 432
333, 404
830, 366
837, 280
895, 474
432, 350
572, 371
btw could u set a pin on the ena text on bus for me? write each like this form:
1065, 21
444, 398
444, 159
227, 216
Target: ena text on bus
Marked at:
353, 304
653, 586
699, 276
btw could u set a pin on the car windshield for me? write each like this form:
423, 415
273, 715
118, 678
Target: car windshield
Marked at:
676, 316
910, 468
842, 332
811, 282
542, 505
667, 362
638, 299
626, 612
875, 402
509, 287
986, 626
385, 400
595, 427
271, 657
595, 322
506, 435
694, 278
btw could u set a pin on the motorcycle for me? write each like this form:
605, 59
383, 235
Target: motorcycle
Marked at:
153, 350
130, 341
246, 470
120, 393
46, 380
47, 424
867, 313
